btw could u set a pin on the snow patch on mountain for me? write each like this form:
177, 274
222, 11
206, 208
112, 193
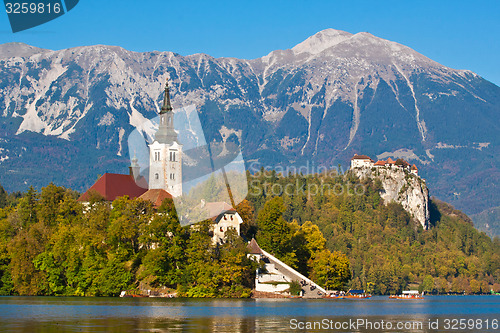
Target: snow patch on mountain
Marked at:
31, 119
79, 116
121, 133
355, 117
141, 123
420, 124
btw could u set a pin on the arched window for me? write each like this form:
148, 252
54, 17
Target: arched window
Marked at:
157, 176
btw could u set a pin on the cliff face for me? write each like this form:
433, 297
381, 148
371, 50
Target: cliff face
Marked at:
401, 186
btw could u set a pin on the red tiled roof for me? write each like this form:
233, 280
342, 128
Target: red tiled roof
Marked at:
361, 157
380, 163
390, 161
414, 167
112, 185
156, 196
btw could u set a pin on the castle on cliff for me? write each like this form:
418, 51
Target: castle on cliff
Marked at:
401, 183
366, 161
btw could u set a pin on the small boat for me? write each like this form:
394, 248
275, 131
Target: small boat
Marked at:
356, 294
334, 296
408, 294
124, 294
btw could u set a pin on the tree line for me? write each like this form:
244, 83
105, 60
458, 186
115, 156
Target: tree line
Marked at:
51, 244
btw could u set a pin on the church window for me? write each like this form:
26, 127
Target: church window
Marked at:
172, 156
172, 176
157, 176
157, 155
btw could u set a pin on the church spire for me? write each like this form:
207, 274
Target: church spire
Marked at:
166, 132
167, 107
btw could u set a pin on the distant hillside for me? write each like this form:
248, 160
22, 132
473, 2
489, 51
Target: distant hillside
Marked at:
488, 221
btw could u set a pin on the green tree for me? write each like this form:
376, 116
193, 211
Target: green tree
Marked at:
275, 234
165, 243
48, 204
27, 208
3, 197
428, 284
126, 220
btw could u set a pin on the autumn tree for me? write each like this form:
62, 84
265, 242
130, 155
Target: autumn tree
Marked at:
331, 270
248, 228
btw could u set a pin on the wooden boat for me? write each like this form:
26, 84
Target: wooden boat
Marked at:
356, 294
351, 294
408, 294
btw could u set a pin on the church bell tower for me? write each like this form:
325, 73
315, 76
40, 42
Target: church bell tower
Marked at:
165, 153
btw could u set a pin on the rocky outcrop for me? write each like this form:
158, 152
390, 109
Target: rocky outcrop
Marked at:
401, 186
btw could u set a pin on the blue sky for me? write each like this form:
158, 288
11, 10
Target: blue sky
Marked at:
458, 34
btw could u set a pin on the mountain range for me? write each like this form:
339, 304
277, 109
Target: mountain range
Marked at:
65, 115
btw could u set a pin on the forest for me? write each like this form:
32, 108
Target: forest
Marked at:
52, 244
387, 250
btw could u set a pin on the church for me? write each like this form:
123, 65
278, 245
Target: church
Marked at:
165, 177
165, 167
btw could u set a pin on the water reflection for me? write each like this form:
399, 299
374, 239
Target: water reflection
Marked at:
48, 314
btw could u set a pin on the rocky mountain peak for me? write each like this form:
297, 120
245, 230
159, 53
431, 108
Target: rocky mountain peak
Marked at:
9, 50
321, 41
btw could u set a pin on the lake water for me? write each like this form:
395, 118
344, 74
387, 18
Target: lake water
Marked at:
378, 314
